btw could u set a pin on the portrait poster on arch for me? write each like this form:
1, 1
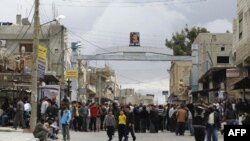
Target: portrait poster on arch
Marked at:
134, 39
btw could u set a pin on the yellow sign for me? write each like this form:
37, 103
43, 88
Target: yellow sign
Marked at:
71, 74
42, 53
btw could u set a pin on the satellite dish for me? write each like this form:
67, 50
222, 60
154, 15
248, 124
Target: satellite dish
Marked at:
60, 17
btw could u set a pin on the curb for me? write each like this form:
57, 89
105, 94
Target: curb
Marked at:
11, 130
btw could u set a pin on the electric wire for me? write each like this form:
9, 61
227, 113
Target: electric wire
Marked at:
137, 5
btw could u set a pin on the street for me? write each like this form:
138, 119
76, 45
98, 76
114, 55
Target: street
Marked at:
101, 136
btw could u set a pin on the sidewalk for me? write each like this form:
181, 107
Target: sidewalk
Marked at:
10, 129
11, 134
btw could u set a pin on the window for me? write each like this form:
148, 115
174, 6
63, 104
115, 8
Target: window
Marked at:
56, 50
28, 47
214, 38
223, 59
222, 49
240, 25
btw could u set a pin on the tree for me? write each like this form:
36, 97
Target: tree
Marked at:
181, 42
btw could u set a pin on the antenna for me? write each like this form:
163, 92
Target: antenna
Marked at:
53, 10
17, 8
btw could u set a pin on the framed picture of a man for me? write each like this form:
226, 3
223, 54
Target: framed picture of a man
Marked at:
134, 39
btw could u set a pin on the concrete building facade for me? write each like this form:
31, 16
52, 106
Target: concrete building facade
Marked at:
180, 72
213, 58
241, 46
16, 37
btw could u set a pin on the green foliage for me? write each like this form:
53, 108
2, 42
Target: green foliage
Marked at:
181, 42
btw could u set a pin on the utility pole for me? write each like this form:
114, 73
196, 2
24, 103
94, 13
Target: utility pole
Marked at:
34, 93
79, 75
68, 88
99, 88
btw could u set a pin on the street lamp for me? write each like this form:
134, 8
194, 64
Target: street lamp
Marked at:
58, 18
22, 59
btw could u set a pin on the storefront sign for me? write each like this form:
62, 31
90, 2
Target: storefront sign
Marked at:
42, 53
41, 69
232, 73
71, 74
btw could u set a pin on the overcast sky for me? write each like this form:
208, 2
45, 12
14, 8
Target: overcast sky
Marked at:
107, 23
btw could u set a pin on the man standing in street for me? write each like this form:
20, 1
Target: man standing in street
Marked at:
65, 119
129, 124
44, 107
84, 112
109, 124
181, 116
19, 114
94, 111
213, 123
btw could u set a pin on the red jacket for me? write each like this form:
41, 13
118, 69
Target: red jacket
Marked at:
94, 111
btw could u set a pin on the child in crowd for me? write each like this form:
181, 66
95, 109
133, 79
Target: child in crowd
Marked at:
121, 125
109, 124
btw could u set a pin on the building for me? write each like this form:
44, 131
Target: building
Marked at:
78, 90
128, 95
101, 85
241, 46
17, 50
180, 72
212, 58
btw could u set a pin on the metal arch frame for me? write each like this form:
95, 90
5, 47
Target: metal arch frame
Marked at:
131, 49
135, 54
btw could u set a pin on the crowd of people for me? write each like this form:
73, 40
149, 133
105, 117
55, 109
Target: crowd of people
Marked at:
15, 113
203, 120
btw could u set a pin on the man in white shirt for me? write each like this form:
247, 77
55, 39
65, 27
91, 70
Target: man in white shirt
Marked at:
44, 107
213, 124
27, 112
172, 122
27, 107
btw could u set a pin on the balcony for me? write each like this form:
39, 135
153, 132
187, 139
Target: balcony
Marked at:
242, 53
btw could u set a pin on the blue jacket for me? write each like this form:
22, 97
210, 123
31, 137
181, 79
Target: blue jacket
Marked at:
66, 117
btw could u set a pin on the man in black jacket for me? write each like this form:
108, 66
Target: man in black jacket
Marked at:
199, 122
129, 124
213, 123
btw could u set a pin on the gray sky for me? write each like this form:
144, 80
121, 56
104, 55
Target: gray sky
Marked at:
107, 23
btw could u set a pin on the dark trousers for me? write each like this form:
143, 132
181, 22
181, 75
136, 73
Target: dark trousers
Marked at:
143, 125
137, 125
19, 119
77, 123
153, 125
180, 128
167, 123
172, 125
84, 124
211, 133
65, 132
92, 122
199, 134
110, 131
121, 131
160, 123
102, 120
129, 129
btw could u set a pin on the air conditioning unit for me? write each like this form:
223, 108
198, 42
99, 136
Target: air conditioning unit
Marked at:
2, 43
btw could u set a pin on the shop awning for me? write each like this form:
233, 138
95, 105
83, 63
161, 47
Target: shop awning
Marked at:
50, 78
205, 91
242, 84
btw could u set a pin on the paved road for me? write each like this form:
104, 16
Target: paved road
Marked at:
101, 136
